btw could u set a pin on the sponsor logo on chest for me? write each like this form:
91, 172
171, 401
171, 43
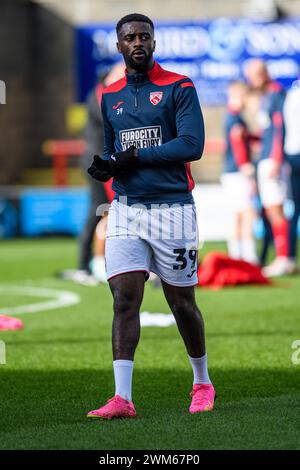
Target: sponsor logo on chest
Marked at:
141, 137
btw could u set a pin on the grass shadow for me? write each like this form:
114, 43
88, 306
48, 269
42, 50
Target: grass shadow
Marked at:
46, 410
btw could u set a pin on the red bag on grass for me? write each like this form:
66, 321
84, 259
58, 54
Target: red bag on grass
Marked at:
218, 270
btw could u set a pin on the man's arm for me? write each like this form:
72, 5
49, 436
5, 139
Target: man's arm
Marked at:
189, 143
278, 130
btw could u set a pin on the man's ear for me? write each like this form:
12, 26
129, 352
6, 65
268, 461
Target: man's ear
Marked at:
118, 47
154, 45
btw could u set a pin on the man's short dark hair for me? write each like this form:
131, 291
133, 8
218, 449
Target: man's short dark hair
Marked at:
133, 17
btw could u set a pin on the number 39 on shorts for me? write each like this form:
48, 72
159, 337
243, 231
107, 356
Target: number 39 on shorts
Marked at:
186, 259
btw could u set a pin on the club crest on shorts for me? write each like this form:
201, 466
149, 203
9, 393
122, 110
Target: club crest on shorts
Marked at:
155, 97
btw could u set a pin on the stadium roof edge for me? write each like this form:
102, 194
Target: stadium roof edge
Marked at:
90, 11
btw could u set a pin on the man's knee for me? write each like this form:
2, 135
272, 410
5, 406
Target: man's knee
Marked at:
127, 291
184, 307
126, 302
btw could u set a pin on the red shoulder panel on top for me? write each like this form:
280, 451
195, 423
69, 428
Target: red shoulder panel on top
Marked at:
116, 86
167, 78
162, 77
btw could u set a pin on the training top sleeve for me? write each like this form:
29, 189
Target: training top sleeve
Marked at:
278, 128
189, 143
109, 135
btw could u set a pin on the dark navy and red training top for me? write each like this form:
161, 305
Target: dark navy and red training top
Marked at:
237, 151
159, 113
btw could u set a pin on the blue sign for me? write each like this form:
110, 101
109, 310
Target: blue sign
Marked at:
212, 54
49, 211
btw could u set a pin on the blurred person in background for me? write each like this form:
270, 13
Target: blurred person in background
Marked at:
251, 111
92, 265
93, 135
292, 151
238, 178
271, 169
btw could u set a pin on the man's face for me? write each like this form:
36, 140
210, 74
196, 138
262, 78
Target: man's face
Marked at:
257, 74
136, 43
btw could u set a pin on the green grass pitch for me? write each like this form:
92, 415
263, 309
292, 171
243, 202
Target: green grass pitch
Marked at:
59, 367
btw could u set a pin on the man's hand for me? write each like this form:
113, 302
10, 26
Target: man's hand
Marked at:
248, 170
99, 169
120, 163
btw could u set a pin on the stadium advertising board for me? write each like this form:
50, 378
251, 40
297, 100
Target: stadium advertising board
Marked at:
212, 53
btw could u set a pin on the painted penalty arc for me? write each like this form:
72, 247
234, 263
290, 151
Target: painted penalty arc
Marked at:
58, 299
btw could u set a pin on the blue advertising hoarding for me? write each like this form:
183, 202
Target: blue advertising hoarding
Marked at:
47, 211
211, 53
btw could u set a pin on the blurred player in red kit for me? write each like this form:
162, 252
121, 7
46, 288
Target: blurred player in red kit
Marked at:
272, 169
238, 177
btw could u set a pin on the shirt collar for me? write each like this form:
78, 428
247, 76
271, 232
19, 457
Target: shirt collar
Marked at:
140, 78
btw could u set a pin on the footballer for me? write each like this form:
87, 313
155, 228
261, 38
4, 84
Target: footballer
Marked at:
153, 129
272, 170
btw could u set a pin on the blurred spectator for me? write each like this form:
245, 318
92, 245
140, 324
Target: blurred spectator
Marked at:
271, 167
238, 178
292, 150
92, 267
253, 103
98, 195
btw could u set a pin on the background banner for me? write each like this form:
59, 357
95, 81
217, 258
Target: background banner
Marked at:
212, 53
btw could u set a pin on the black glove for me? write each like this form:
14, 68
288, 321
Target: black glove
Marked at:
121, 162
99, 169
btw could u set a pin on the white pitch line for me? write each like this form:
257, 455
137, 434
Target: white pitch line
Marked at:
60, 298
162, 320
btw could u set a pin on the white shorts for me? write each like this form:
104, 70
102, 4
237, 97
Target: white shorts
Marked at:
237, 190
272, 191
161, 240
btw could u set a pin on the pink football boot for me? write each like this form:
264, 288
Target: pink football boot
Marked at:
203, 397
116, 407
10, 323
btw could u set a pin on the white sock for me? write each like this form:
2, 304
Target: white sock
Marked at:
234, 249
199, 365
249, 251
97, 266
123, 378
